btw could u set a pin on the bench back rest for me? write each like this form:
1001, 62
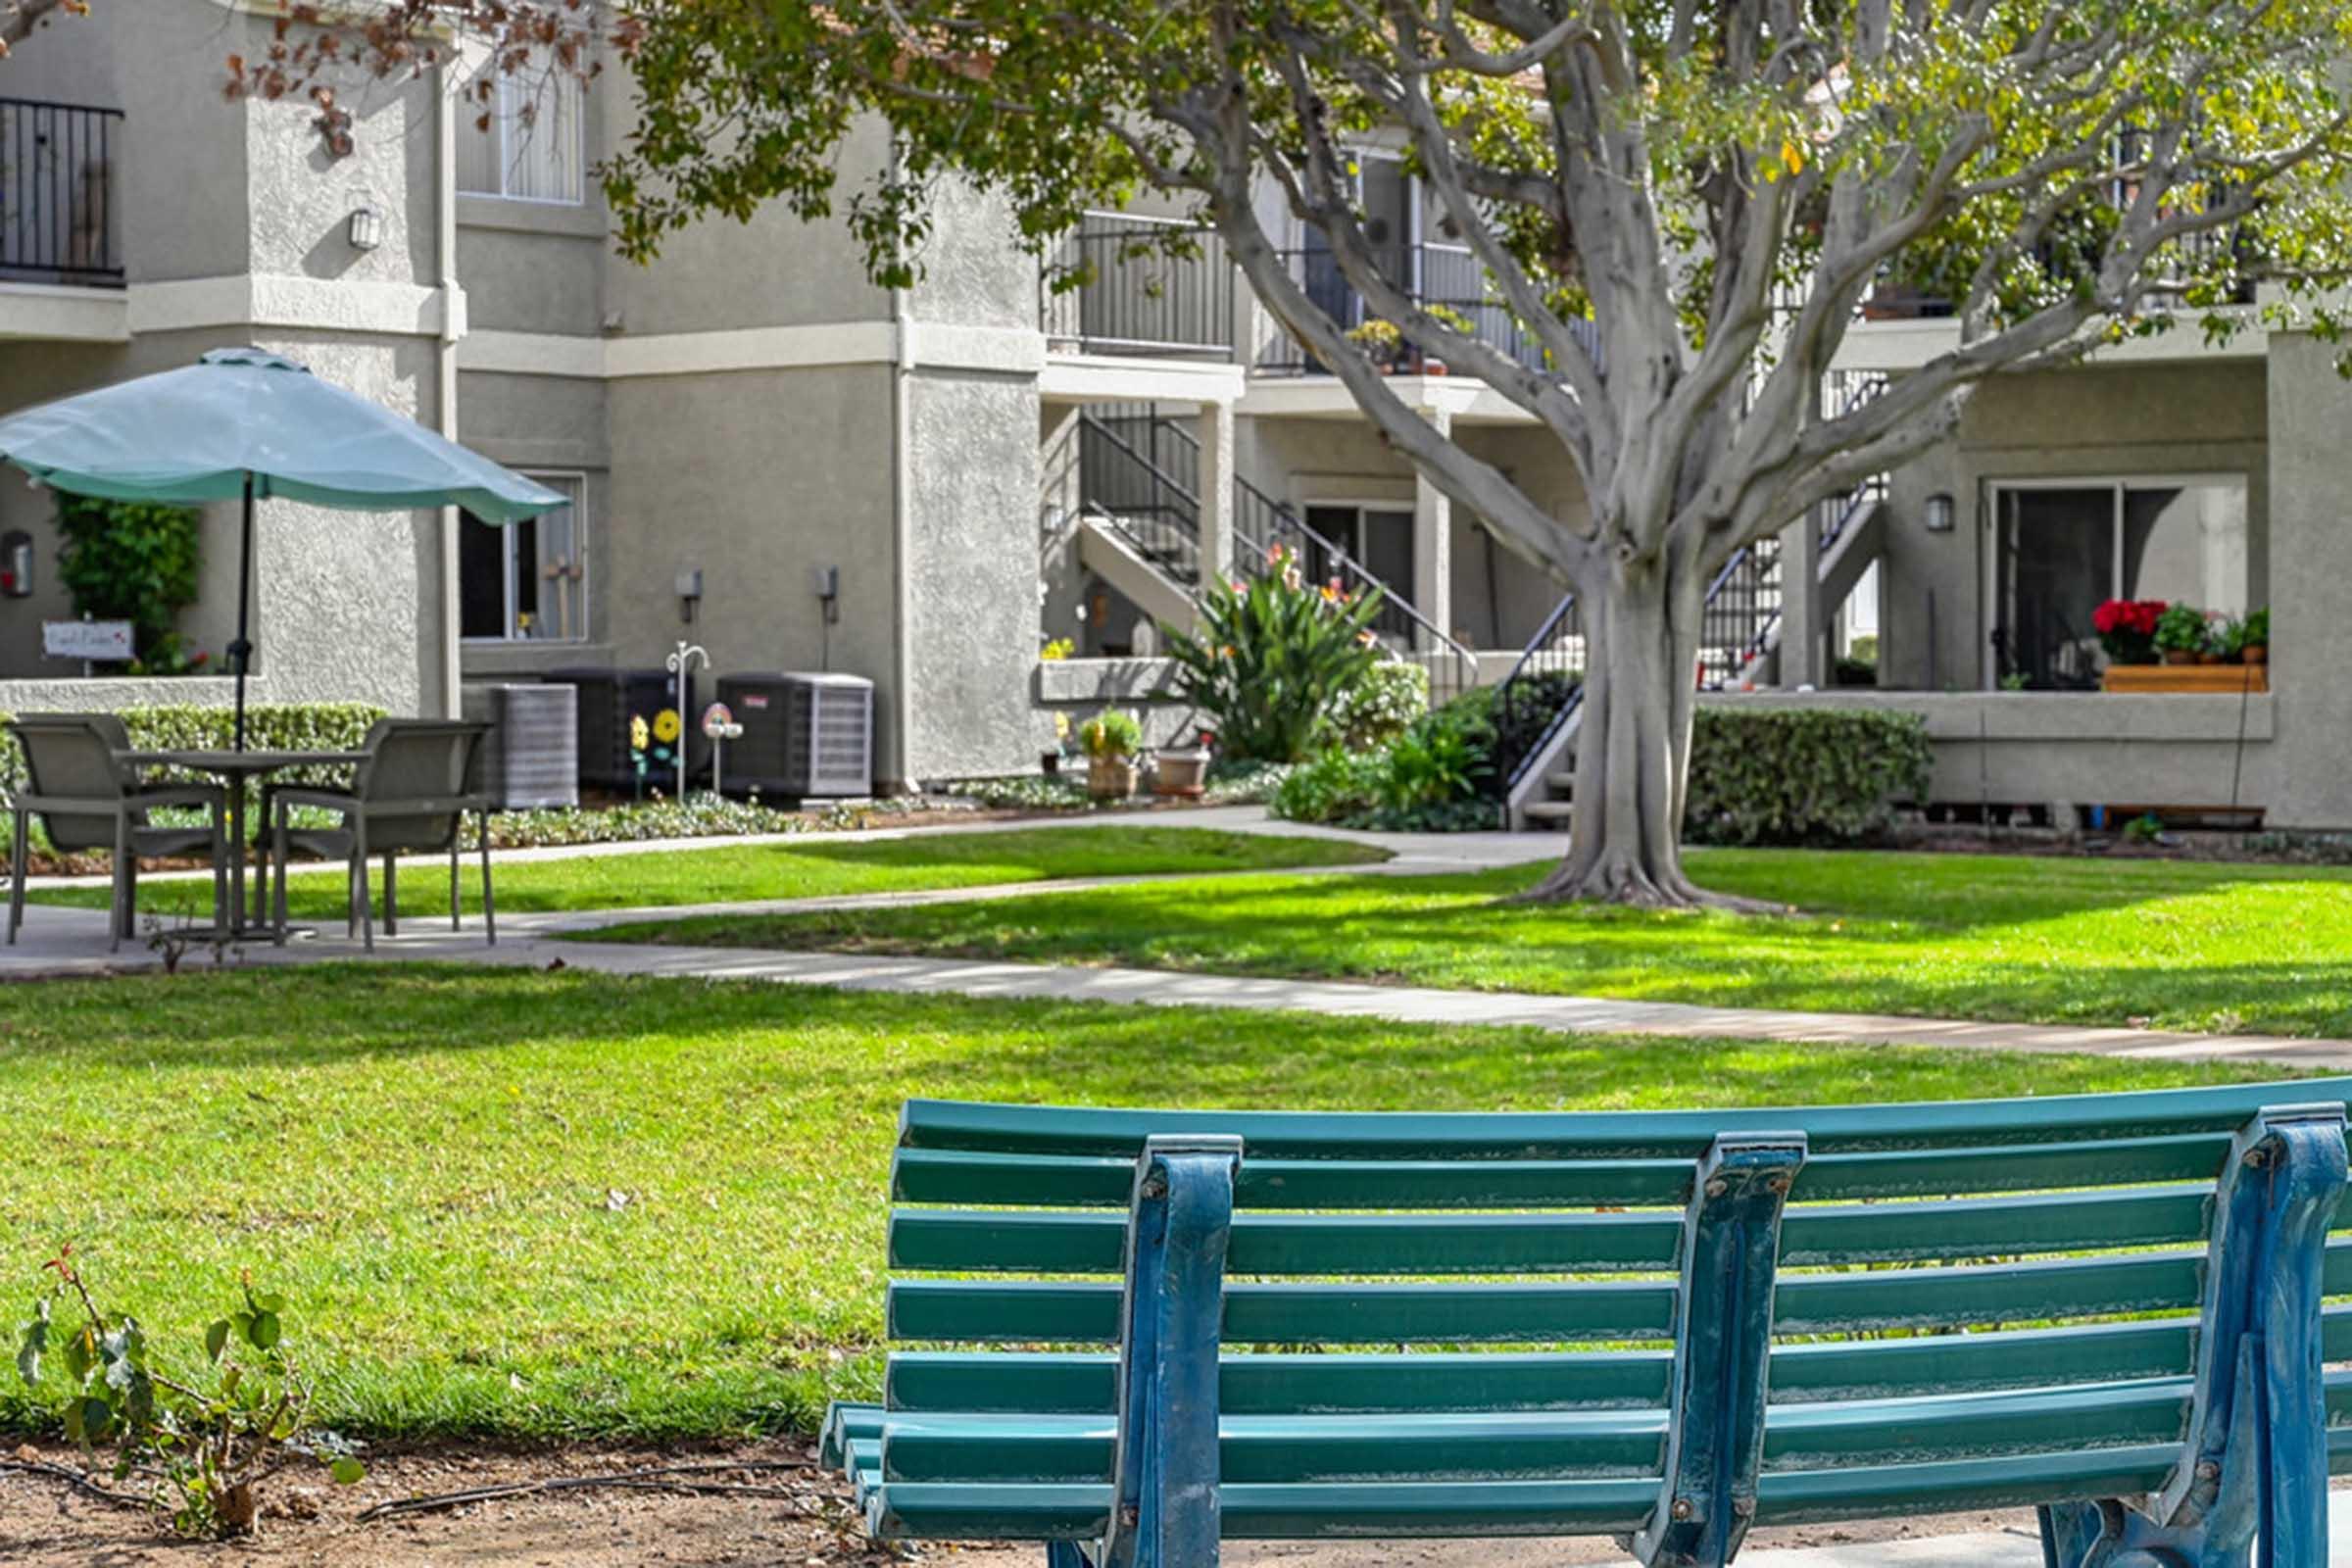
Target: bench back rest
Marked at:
71, 757
1924, 1250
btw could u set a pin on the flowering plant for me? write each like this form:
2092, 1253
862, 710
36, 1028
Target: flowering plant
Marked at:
2182, 629
2127, 629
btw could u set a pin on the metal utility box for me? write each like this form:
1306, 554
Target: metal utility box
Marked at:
531, 756
607, 700
802, 735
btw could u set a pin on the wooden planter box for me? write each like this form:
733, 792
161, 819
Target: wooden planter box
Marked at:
2226, 678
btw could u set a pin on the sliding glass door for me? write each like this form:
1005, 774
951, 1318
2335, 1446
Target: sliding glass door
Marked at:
2056, 549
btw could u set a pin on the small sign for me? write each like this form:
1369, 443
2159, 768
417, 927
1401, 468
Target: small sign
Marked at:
718, 723
99, 641
755, 700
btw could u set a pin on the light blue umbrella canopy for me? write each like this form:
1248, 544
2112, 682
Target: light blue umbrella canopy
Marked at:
248, 423
196, 434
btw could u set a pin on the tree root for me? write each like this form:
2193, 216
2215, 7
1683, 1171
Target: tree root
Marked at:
658, 1478
1622, 888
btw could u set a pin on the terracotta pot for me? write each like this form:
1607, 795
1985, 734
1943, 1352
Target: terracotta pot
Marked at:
1183, 772
1110, 778
2209, 658
2256, 653
2179, 655
1434, 367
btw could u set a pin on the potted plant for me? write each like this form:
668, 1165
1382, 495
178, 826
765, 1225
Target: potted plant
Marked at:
1381, 342
1111, 738
1183, 770
2127, 629
2254, 637
2181, 634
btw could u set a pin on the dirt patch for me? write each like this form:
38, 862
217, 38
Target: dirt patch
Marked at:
813, 1525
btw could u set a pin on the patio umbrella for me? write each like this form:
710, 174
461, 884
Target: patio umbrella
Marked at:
248, 422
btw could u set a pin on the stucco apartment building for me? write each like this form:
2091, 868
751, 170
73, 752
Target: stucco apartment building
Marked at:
974, 465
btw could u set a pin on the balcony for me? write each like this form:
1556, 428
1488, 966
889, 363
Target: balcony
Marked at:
58, 218
1443, 278
1139, 299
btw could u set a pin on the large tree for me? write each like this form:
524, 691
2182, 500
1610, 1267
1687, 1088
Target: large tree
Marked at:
1683, 203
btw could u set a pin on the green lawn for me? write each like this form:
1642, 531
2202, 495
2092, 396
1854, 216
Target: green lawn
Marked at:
814, 868
526, 1204
2180, 946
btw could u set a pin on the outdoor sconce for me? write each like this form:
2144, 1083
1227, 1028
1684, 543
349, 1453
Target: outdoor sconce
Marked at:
1941, 511
690, 591
366, 228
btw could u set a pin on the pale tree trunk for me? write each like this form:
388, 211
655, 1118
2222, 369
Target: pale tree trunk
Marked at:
1632, 749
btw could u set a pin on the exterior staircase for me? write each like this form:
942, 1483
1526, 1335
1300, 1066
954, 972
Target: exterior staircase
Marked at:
1112, 492
1540, 708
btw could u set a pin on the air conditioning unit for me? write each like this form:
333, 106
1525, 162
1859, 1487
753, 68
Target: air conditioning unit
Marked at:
802, 735
531, 756
607, 700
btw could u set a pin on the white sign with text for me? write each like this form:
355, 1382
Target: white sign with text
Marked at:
100, 641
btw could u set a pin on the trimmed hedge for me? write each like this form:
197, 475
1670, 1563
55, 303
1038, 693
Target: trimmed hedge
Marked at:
1802, 776
269, 727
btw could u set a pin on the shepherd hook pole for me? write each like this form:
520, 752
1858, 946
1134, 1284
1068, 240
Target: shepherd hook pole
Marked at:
680, 662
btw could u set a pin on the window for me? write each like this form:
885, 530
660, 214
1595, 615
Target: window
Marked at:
2059, 547
525, 581
534, 149
1378, 538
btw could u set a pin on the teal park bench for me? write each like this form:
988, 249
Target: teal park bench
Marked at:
1664, 1327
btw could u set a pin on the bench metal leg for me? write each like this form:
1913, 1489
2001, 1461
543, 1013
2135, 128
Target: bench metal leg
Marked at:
1164, 1508
1723, 1342
2256, 1460
1066, 1554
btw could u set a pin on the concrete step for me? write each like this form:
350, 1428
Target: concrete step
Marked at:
1561, 784
1549, 812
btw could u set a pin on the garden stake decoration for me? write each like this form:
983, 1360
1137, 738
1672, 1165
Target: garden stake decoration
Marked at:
681, 663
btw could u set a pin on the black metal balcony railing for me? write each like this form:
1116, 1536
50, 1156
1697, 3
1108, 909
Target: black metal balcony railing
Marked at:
1138, 297
1446, 279
58, 223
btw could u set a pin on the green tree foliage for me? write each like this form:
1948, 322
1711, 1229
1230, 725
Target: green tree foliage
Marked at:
131, 561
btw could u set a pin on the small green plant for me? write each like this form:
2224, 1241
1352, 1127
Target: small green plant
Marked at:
2145, 828
1382, 706
1271, 658
2180, 629
133, 561
1380, 340
2017, 680
2257, 628
207, 1450
1113, 733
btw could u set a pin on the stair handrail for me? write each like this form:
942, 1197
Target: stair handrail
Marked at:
1513, 690
1186, 518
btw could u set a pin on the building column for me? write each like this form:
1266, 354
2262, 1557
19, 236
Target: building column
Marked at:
1432, 540
1215, 484
1804, 621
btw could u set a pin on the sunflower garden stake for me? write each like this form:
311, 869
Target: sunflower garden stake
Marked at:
681, 663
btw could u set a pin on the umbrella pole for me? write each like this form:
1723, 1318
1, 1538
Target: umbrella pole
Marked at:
242, 649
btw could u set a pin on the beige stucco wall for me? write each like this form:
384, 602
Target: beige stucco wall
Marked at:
2310, 581
2208, 417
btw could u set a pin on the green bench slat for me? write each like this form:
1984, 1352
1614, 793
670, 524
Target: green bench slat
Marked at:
1960, 1426
1067, 1449
1866, 1492
970, 1311
1995, 1292
1295, 1385
1967, 1363
1604, 1135
1059, 1242
1301, 1512
1074, 1242
1994, 1227
1088, 1181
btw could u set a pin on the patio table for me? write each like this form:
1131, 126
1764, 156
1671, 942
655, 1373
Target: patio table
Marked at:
236, 767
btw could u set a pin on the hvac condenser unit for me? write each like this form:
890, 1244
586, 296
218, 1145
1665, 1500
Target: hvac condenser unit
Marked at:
531, 755
607, 700
802, 735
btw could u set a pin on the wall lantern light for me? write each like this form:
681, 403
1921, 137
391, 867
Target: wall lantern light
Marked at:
366, 228
1940, 513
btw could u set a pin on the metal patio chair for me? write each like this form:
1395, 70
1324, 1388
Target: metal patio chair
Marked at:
89, 796
410, 796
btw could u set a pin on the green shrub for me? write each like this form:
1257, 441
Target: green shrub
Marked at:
131, 561
1801, 775
1113, 732
1437, 777
1382, 706
1270, 659
1340, 787
269, 727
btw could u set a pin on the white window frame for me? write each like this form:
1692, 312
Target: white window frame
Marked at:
511, 638
513, 92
